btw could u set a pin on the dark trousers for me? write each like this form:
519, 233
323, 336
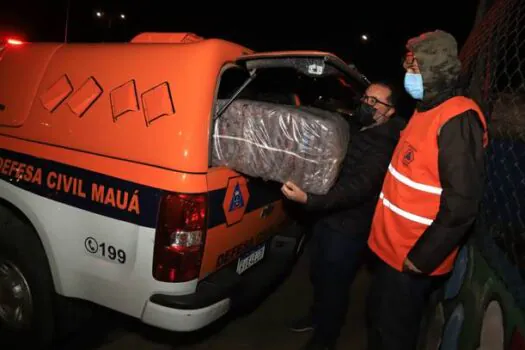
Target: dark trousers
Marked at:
396, 302
335, 261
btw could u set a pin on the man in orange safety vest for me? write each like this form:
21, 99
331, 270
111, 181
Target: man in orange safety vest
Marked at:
430, 194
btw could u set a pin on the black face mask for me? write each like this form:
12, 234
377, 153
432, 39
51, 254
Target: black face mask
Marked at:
365, 114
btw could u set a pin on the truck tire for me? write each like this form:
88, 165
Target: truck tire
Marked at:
26, 286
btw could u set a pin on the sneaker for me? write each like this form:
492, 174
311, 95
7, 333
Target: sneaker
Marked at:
303, 324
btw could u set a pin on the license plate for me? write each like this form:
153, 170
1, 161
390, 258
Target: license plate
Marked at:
251, 259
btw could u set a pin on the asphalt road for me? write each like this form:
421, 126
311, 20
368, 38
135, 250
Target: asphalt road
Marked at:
262, 328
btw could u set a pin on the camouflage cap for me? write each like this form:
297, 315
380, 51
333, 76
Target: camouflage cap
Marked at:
437, 57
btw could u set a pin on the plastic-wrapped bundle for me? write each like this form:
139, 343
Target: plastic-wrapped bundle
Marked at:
281, 143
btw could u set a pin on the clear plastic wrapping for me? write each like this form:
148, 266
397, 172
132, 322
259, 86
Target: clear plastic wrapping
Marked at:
281, 143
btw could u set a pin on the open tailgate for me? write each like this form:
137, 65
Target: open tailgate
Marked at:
311, 63
245, 212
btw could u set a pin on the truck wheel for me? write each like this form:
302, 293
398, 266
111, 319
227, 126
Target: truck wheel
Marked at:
26, 288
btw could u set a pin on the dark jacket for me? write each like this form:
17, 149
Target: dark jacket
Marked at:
462, 175
349, 205
461, 153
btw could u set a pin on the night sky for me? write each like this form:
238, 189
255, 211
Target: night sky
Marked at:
259, 25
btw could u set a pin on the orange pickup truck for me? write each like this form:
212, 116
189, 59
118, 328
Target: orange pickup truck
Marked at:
107, 193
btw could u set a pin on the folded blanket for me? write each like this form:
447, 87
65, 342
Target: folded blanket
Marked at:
281, 143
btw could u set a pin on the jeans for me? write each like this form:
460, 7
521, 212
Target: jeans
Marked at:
335, 261
396, 302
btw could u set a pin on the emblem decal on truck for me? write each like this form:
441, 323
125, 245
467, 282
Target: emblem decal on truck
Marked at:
124, 99
85, 97
157, 102
235, 200
57, 93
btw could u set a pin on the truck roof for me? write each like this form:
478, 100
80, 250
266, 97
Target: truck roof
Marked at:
148, 101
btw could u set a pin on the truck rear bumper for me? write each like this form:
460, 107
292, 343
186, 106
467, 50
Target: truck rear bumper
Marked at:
223, 290
181, 320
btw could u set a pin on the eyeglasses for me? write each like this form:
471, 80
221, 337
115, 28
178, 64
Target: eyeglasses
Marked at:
372, 101
408, 60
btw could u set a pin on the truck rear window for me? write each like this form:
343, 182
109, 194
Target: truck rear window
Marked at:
289, 87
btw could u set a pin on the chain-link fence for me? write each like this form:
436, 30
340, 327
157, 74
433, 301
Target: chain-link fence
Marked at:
494, 72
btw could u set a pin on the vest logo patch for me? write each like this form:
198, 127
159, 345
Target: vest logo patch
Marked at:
408, 156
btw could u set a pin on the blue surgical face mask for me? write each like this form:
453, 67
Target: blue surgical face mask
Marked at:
414, 85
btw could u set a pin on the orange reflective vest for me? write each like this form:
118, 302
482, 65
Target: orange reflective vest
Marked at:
410, 198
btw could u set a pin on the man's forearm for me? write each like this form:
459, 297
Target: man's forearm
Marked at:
441, 238
358, 188
332, 200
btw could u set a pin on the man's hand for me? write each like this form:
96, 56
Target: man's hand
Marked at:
294, 193
408, 266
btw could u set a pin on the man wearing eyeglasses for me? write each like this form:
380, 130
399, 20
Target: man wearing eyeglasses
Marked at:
339, 237
430, 194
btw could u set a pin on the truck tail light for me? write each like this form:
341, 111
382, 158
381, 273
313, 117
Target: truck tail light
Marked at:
180, 237
14, 42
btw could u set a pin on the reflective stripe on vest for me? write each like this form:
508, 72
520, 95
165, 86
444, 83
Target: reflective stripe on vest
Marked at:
411, 194
405, 214
415, 185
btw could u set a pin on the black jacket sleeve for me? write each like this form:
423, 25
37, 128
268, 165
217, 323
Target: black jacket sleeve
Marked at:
461, 171
358, 183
